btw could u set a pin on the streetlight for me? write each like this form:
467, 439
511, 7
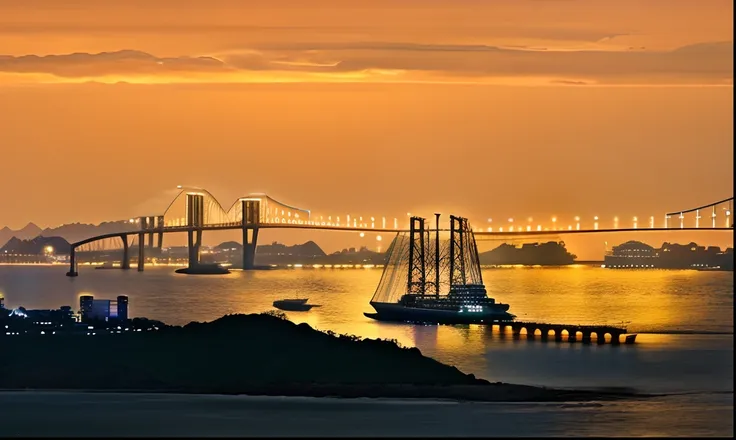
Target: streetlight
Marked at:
651, 222
577, 223
595, 225
635, 222
511, 228
615, 223
554, 223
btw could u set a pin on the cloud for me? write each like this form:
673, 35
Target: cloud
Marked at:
569, 82
107, 63
706, 63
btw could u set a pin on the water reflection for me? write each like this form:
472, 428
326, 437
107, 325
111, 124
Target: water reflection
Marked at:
650, 300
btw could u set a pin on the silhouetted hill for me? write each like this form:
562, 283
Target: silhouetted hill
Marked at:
351, 256
308, 249
228, 245
545, 254
246, 354
36, 246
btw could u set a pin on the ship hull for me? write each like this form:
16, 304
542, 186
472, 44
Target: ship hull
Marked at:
399, 313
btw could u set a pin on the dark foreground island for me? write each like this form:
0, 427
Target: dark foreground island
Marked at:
249, 354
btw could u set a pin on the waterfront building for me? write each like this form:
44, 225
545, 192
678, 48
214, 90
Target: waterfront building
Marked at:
85, 306
122, 307
637, 255
103, 309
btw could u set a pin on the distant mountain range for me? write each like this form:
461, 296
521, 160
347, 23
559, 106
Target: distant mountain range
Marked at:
71, 232
36, 246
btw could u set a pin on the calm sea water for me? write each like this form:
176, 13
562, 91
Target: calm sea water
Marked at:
674, 312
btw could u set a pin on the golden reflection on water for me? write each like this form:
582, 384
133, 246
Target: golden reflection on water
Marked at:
649, 300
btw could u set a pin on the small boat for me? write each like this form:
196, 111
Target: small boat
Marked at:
630, 339
293, 305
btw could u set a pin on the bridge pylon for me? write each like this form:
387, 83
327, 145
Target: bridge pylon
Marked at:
195, 221
249, 222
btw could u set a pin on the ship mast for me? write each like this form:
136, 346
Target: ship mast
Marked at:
437, 256
476, 256
417, 280
457, 257
464, 262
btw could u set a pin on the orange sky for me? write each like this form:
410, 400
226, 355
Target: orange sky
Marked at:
489, 109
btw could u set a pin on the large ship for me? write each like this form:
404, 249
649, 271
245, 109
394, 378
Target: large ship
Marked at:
435, 281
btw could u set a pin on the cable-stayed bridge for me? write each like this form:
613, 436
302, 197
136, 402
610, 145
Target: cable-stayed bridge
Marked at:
195, 210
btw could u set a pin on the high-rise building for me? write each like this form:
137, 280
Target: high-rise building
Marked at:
85, 305
101, 310
122, 308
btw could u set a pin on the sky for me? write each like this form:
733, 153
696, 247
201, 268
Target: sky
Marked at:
503, 109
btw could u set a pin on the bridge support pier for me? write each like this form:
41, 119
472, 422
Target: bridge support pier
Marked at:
545, 333
141, 251
151, 225
160, 227
195, 220
194, 244
125, 264
72, 263
250, 220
